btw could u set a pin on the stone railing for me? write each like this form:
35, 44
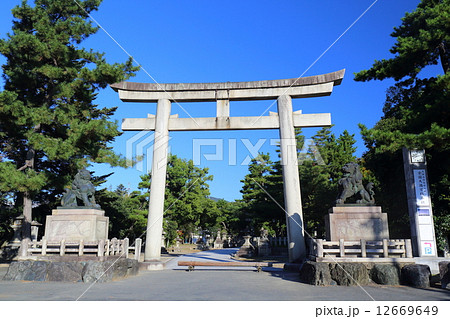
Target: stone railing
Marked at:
322, 250
273, 241
278, 241
275, 246
113, 247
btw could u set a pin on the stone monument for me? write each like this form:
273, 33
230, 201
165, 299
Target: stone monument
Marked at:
263, 243
73, 222
361, 220
218, 243
247, 249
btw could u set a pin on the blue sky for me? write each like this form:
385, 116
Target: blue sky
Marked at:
220, 41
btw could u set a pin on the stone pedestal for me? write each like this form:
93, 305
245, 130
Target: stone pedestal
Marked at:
218, 243
88, 224
356, 223
247, 249
264, 247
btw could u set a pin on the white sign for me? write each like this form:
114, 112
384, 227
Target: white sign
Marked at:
428, 248
424, 220
426, 232
421, 187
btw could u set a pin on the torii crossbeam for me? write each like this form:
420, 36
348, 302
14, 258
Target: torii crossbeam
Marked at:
285, 120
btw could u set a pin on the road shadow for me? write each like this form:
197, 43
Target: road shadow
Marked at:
226, 251
285, 275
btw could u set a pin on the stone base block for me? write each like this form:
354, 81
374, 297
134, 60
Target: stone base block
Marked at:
417, 276
349, 274
444, 272
432, 262
151, 265
218, 244
386, 274
76, 224
88, 271
245, 252
317, 274
356, 223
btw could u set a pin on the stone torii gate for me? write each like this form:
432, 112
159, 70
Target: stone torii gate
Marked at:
222, 93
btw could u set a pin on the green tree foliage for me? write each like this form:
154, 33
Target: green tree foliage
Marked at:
127, 212
320, 170
187, 206
256, 181
260, 208
230, 218
416, 111
320, 167
6, 212
49, 125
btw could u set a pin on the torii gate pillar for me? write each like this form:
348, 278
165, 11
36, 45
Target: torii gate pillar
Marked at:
158, 182
291, 181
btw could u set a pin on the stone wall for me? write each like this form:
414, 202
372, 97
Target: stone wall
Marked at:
350, 274
72, 271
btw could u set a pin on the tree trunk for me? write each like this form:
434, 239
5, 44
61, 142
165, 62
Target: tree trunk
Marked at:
27, 202
27, 213
444, 55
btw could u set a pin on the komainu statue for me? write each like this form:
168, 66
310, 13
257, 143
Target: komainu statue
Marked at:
82, 189
351, 184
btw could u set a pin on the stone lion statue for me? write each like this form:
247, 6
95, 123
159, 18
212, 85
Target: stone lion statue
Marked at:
351, 184
82, 189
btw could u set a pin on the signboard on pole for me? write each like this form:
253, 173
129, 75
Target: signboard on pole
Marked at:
419, 203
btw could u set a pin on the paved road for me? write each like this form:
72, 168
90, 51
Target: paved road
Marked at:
219, 255
175, 283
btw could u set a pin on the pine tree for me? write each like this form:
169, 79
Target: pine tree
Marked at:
416, 111
256, 180
320, 173
260, 195
320, 166
49, 124
127, 212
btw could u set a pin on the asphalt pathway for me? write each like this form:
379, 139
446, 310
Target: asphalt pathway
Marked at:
211, 283
219, 255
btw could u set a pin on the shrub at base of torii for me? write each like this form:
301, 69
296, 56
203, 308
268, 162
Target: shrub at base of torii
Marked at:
416, 115
49, 124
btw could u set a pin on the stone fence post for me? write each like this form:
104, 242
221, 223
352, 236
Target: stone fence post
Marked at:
24, 247
137, 249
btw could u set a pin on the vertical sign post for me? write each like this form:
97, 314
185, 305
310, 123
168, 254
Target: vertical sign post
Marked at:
419, 203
